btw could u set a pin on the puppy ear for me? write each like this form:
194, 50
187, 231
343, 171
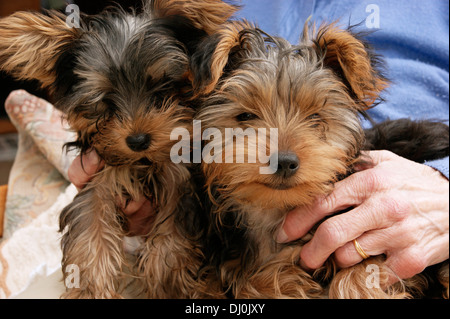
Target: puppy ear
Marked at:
30, 44
353, 61
210, 61
206, 15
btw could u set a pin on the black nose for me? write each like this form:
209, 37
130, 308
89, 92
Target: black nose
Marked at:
288, 164
138, 142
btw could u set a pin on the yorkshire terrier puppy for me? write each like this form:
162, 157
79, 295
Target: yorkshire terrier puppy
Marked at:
313, 94
122, 80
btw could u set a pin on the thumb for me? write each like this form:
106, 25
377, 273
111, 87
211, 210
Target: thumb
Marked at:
84, 167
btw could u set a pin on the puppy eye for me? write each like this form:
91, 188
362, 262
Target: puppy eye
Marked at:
313, 117
246, 117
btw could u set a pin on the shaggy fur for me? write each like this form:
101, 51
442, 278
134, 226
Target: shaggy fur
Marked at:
314, 94
418, 141
122, 81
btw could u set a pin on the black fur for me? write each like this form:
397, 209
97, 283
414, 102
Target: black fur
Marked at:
418, 141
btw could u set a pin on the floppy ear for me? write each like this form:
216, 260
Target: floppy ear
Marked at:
214, 54
353, 61
30, 44
206, 15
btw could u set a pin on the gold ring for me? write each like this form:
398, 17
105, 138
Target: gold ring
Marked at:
360, 251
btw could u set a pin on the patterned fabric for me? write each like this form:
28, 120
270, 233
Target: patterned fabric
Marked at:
38, 188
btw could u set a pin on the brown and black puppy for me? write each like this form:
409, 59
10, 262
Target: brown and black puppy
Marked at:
122, 80
308, 99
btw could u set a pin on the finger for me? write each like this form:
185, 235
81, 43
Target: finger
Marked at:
373, 243
377, 157
351, 191
83, 168
298, 222
337, 231
405, 264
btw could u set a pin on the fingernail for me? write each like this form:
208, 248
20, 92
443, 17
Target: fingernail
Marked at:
282, 237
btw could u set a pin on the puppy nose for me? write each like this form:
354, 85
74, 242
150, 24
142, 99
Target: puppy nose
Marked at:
138, 142
288, 164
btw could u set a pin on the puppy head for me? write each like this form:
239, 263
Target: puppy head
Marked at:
309, 93
120, 77
123, 91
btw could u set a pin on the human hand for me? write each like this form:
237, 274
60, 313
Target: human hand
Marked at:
140, 213
401, 209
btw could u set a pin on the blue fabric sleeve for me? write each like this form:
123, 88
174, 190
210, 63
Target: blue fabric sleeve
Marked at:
411, 35
441, 165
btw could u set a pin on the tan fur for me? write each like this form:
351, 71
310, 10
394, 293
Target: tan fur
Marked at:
229, 38
346, 52
208, 15
95, 244
278, 275
278, 278
31, 43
